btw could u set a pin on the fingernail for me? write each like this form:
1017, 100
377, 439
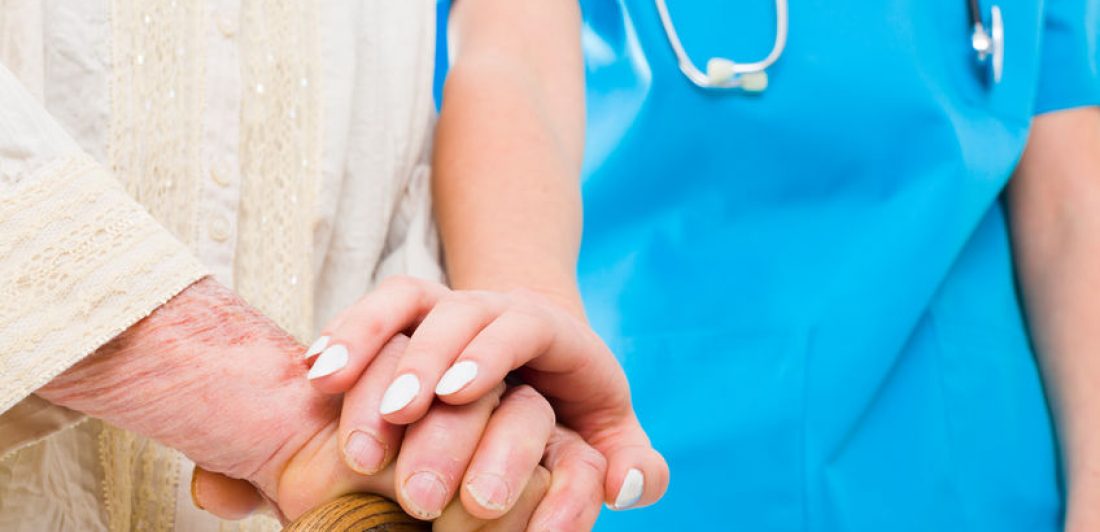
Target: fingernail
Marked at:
490, 491
631, 491
400, 393
316, 347
426, 493
364, 453
457, 377
331, 360
195, 490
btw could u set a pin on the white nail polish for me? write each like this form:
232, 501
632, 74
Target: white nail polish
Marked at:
400, 393
331, 360
631, 491
457, 377
317, 346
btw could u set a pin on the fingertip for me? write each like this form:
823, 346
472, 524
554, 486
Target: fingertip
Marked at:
486, 496
317, 346
457, 377
365, 453
336, 368
331, 359
404, 400
638, 477
630, 490
474, 392
224, 497
578, 474
658, 473
424, 495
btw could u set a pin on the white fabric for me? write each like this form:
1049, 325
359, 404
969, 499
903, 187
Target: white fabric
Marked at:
370, 215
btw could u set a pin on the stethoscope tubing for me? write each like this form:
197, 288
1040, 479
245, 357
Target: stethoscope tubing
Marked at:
987, 44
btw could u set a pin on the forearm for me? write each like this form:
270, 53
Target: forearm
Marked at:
1055, 207
509, 147
206, 374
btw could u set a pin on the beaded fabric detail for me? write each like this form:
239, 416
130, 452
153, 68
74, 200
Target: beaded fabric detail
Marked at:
154, 149
280, 160
155, 146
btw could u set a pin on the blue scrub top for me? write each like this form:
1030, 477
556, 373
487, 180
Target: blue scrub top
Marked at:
811, 289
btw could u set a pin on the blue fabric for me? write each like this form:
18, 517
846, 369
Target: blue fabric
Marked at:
442, 58
811, 289
1071, 69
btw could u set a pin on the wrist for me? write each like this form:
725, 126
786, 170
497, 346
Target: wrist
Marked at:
205, 374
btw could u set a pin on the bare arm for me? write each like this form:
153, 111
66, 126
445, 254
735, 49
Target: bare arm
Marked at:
1055, 206
509, 148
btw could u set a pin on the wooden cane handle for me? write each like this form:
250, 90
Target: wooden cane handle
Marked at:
357, 513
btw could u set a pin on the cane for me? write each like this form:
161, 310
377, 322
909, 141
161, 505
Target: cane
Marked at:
357, 512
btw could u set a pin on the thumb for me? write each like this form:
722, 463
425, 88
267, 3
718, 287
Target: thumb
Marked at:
225, 497
637, 475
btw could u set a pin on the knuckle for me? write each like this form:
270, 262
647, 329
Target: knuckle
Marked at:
590, 461
462, 302
533, 403
411, 288
540, 479
375, 326
401, 283
525, 295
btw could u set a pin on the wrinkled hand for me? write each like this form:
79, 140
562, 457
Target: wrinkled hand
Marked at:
208, 375
502, 438
464, 344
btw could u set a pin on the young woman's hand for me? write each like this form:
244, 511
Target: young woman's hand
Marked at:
210, 376
485, 455
464, 344
502, 437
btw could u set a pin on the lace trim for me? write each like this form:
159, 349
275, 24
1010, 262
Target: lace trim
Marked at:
280, 160
65, 257
155, 145
137, 505
67, 267
155, 149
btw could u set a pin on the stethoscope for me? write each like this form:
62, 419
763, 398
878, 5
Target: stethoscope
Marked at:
723, 73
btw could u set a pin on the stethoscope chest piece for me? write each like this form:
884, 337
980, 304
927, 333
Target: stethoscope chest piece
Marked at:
990, 45
723, 73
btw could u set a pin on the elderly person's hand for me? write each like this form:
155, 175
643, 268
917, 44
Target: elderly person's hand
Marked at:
463, 344
502, 438
208, 375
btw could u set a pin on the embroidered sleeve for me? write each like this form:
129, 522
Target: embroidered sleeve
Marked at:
80, 261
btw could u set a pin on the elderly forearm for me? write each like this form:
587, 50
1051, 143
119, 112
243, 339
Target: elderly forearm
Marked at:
1055, 206
509, 146
206, 374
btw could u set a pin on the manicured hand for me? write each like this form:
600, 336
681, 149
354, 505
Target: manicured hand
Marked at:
464, 344
483, 455
210, 376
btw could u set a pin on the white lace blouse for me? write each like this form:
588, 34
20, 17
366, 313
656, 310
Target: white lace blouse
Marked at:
279, 145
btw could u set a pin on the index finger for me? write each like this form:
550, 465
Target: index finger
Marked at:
348, 346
